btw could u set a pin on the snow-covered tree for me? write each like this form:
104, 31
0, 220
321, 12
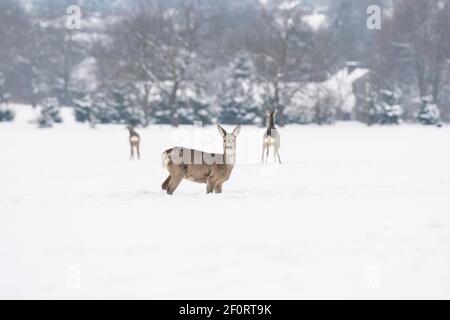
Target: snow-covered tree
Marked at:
5, 113
429, 113
325, 108
413, 49
239, 103
124, 101
192, 105
279, 50
160, 45
373, 112
49, 113
118, 104
389, 110
98, 110
82, 108
314, 103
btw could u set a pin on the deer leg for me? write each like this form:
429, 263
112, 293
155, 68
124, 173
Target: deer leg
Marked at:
131, 153
138, 153
173, 184
264, 150
274, 154
267, 153
278, 155
209, 186
218, 187
165, 184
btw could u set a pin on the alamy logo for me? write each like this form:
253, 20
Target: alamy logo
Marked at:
374, 19
74, 17
73, 280
373, 278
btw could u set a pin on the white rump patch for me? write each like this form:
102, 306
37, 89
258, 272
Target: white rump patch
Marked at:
270, 141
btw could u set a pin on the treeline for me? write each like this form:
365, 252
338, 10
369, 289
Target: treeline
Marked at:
180, 61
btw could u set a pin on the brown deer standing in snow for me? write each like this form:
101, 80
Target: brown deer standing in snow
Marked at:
135, 140
271, 138
198, 166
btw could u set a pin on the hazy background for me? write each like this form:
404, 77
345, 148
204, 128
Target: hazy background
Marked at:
180, 61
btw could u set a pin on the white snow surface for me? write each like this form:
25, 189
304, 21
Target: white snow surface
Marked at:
353, 212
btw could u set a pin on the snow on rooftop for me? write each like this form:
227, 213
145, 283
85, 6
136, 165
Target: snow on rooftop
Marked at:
341, 83
315, 20
339, 86
288, 5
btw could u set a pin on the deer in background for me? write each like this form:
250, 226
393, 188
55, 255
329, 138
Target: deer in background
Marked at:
202, 167
135, 140
271, 138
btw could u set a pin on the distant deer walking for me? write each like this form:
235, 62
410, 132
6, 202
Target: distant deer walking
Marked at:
271, 138
198, 166
135, 141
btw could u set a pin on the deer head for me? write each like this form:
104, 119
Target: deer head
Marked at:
270, 116
229, 139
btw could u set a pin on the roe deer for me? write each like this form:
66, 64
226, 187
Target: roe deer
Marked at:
135, 140
271, 138
198, 166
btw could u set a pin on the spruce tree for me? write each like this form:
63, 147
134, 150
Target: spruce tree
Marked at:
238, 103
49, 113
429, 113
390, 110
5, 113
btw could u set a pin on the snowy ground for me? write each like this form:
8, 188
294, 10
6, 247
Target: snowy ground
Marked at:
353, 212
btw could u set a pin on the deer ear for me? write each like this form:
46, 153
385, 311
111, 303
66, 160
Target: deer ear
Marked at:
222, 131
237, 130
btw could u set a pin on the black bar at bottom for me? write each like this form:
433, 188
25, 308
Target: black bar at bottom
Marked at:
228, 309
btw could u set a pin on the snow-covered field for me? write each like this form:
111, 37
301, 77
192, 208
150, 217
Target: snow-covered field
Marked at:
353, 212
